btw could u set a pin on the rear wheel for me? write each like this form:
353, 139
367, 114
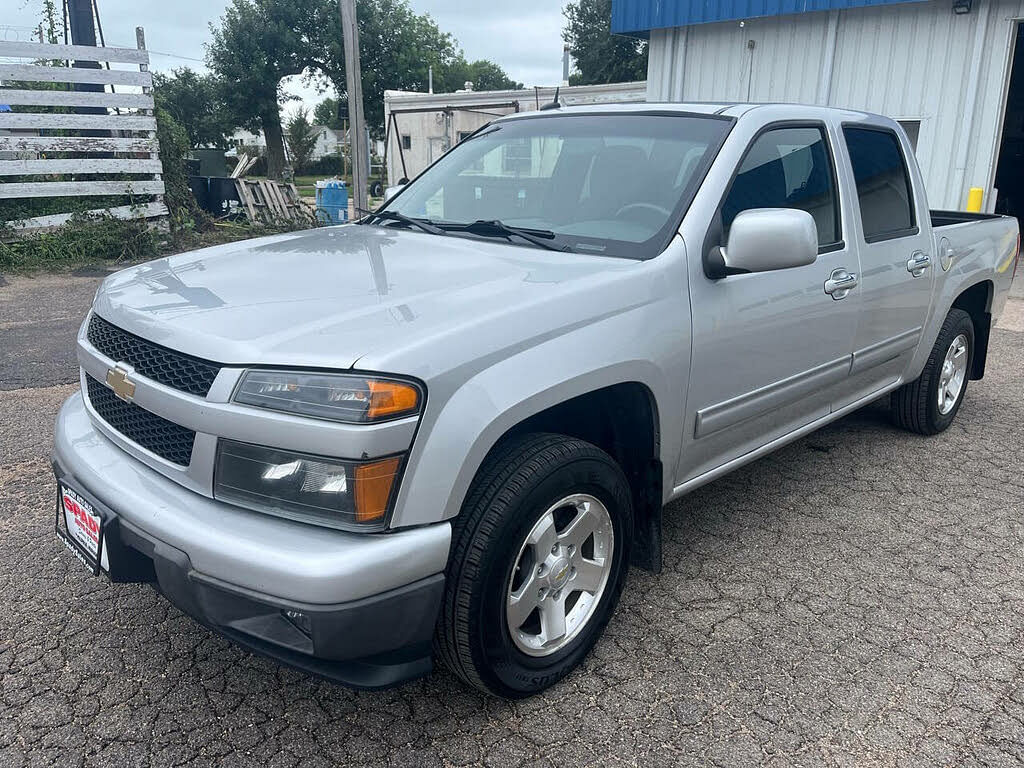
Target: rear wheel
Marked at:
538, 562
929, 404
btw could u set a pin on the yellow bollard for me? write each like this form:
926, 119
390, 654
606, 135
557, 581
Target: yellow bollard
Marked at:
974, 199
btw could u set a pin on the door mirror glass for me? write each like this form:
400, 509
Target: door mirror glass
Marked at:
766, 239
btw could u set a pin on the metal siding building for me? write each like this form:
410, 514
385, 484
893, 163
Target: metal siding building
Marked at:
915, 61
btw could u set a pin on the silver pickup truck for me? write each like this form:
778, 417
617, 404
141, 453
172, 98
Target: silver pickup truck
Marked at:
448, 429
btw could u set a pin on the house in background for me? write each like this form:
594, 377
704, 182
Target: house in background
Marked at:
423, 126
328, 141
951, 71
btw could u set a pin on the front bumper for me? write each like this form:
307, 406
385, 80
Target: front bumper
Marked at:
369, 601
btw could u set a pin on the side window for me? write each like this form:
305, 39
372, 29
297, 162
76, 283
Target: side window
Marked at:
883, 185
787, 168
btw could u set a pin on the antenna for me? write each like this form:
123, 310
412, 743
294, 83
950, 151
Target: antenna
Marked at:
553, 104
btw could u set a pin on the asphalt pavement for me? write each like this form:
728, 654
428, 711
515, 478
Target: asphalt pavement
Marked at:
855, 599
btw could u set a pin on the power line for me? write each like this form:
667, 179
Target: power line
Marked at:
163, 53
176, 56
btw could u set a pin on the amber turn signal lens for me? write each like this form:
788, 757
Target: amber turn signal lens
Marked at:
391, 398
373, 488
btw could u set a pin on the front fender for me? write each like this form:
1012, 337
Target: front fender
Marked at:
647, 345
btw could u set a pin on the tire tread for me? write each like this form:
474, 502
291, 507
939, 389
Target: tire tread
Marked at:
910, 402
505, 474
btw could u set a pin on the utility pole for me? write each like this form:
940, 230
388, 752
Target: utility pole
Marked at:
83, 32
357, 124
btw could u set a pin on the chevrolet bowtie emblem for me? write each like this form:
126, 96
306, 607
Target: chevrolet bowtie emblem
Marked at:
118, 381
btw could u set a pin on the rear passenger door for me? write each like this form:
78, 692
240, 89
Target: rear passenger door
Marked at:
770, 349
897, 266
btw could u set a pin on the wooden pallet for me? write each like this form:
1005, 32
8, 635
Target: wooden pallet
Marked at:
267, 201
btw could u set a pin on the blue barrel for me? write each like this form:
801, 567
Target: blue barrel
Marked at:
332, 201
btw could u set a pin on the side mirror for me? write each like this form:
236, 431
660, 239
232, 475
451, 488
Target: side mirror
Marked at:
392, 191
766, 239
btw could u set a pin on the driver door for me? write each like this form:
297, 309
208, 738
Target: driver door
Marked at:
770, 350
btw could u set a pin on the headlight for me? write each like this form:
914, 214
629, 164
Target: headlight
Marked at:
338, 397
326, 491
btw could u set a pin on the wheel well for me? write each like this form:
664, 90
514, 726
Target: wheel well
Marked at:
977, 302
622, 420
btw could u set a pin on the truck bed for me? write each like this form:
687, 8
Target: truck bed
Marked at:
951, 218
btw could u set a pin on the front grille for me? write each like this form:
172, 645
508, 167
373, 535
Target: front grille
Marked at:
170, 368
154, 433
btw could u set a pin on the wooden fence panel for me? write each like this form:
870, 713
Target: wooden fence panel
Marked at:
79, 188
43, 74
77, 99
77, 144
51, 120
91, 165
145, 211
145, 148
44, 51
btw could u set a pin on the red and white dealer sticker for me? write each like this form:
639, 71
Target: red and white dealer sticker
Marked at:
83, 524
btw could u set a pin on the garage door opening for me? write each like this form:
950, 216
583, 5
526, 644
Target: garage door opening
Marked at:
1010, 168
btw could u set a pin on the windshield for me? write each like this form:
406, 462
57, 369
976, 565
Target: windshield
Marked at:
609, 184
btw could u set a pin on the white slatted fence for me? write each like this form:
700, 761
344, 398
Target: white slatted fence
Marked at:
128, 144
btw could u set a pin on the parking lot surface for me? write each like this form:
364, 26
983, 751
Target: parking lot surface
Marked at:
856, 598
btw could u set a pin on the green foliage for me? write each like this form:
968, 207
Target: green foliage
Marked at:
258, 43
87, 238
600, 56
326, 113
49, 24
397, 47
301, 138
185, 213
485, 76
196, 102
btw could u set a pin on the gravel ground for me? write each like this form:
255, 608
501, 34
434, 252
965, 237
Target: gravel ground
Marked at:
855, 599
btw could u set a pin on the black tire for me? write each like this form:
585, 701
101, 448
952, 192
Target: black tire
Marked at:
518, 482
915, 405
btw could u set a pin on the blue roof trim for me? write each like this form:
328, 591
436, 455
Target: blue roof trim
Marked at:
637, 17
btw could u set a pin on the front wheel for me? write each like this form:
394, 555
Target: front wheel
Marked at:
539, 557
929, 404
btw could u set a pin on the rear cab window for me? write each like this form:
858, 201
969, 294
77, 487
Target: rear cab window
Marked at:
884, 193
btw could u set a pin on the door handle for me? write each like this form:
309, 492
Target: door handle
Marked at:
840, 283
918, 263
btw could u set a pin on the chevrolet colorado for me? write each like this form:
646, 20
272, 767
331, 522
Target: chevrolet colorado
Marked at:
448, 429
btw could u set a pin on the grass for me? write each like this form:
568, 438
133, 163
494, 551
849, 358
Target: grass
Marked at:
103, 242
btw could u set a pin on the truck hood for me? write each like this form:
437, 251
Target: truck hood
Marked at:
328, 297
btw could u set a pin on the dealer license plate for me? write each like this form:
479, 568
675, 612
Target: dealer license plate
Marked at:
82, 529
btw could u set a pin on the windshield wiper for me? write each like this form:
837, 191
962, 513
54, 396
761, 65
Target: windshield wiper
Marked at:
496, 228
386, 215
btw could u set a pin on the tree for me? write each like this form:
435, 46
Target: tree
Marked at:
600, 56
485, 76
301, 138
326, 113
397, 48
196, 103
258, 44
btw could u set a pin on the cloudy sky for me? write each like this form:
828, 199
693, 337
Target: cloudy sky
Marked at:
523, 36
